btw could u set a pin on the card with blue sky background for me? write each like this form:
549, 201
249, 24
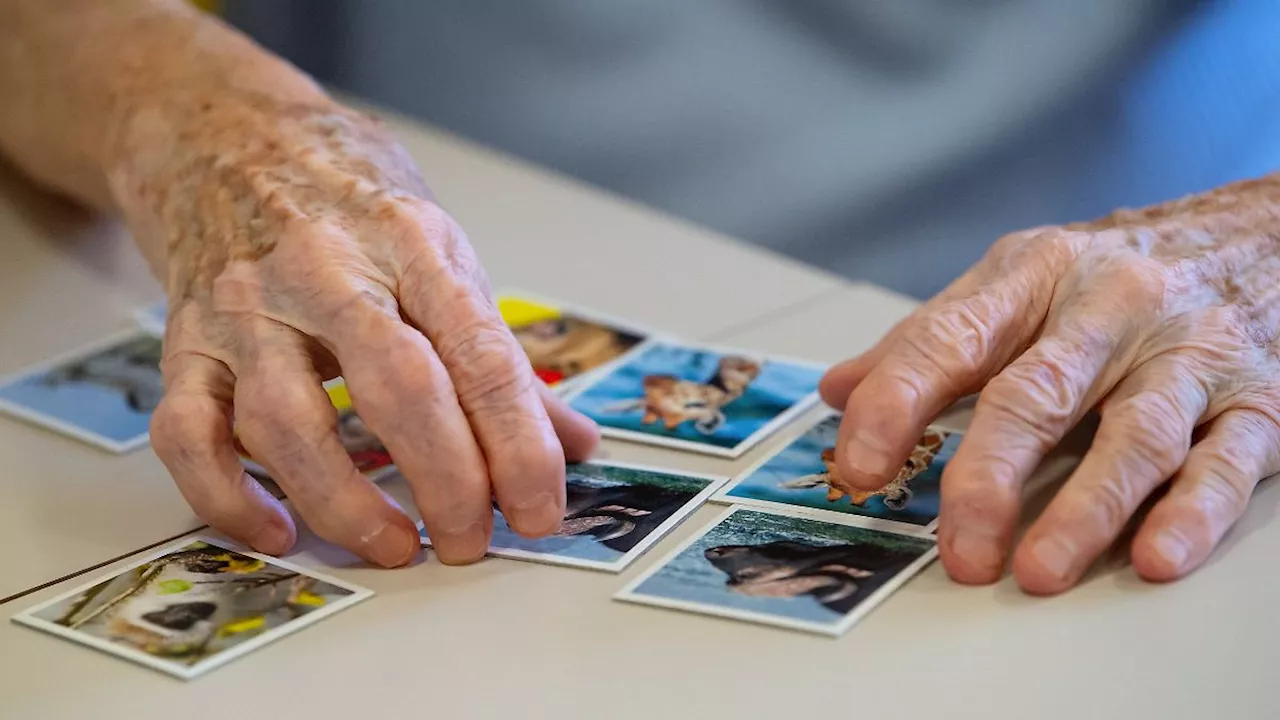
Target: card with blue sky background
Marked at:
798, 476
785, 569
711, 400
103, 395
614, 512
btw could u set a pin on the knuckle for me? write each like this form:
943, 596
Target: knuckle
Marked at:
180, 432
1024, 399
1223, 488
281, 414
1152, 428
488, 368
1141, 283
957, 340
1110, 502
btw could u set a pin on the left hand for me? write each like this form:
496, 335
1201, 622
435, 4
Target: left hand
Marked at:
1165, 320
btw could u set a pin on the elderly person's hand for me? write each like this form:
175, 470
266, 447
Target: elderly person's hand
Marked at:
301, 243
1164, 320
296, 241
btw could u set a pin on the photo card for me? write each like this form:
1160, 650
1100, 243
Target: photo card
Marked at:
785, 569
703, 399
103, 394
614, 512
193, 606
565, 343
803, 475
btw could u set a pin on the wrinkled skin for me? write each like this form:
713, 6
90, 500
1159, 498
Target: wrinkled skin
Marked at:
301, 243
1163, 320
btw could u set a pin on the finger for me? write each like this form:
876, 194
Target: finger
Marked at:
1208, 495
403, 393
286, 421
444, 294
1022, 413
1142, 439
841, 379
946, 354
191, 433
579, 435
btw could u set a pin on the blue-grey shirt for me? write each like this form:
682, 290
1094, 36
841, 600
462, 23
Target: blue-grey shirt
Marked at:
890, 140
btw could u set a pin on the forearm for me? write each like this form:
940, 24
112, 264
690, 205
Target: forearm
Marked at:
83, 82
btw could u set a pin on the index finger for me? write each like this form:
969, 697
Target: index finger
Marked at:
943, 355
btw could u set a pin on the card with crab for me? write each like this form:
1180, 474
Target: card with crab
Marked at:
704, 399
802, 476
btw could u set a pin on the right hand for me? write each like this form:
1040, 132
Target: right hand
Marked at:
301, 243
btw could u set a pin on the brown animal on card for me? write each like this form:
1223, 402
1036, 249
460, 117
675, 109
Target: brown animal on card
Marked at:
674, 401
569, 346
896, 493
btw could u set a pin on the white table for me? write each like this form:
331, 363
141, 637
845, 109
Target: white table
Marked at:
510, 639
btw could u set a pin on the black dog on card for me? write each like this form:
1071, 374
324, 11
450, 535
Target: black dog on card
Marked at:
838, 576
618, 517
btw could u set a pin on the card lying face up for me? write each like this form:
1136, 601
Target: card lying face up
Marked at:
563, 343
804, 475
103, 395
718, 402
193, 606
613, 513
783, 569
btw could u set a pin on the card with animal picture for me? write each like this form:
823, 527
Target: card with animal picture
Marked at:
103, 395
785, 569
803, 475
193, 606
614, 512
367, 452
565, 343
708, 400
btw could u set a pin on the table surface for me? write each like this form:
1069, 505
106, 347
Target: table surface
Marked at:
513, 639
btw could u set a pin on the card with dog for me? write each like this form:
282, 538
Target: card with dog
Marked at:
785, 569
708, 400
367, 452
565, 343
103, 395
193, 606
803, 475
614, 512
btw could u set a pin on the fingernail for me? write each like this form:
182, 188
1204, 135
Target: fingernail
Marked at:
1173, 547
461, 545
977, 546
389, 547
868, 455
539, 514
1055, 555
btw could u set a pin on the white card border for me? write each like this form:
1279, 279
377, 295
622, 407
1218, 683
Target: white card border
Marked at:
867, 522
833, 629
635, 553
51, 423
800, 407
565, 387
28, 617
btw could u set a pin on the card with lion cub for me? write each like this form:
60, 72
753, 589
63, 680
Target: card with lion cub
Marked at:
715, 401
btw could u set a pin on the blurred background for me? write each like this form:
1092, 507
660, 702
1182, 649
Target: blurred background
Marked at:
889, 140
